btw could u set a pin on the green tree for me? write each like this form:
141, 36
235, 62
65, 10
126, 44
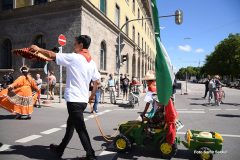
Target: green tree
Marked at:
225, 59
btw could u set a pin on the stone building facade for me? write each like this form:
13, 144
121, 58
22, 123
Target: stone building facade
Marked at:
41, 24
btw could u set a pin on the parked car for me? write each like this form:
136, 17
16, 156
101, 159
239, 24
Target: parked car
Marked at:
235, 84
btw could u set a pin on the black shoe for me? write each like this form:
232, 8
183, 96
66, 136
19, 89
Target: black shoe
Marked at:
91, 158
55, 148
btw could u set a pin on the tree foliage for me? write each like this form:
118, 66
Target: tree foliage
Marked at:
225, 59
191, 71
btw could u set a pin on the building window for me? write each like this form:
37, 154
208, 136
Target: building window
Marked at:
142, 21
127, 26
39, 1
133, 34
138, 39
145, 47
133, 6
117, 16
40, 42
127, 64
7, 4
145, 26
5, 54
103, 6
138, 13
142, 43
103, 56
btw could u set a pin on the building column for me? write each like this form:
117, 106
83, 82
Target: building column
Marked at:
140, 68
14, 3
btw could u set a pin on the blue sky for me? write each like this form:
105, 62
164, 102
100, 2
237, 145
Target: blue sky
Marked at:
206, 22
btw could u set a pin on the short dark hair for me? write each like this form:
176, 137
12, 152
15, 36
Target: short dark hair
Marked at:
85, 40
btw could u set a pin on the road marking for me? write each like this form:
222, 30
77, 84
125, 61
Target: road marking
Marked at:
231, 109
106, 153
198, 109
224, 135
4, 147
215, 109
126, 109
183, 109
230, 135
191, 112
63, 126
27, 139
51, 130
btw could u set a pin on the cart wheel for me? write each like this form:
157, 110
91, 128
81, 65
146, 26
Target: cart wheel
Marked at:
205, 153
167, 150
122, 143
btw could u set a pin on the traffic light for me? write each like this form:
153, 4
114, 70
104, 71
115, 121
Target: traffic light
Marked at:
178, 16
124, 58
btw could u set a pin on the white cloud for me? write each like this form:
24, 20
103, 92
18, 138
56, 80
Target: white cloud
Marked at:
199, 50
185, 48
162, 27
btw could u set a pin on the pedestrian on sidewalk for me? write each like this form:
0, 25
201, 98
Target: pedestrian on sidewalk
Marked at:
206, 86
39, 85
52, 83
81, 69
125, 87
97, 99
102, 90
112, 89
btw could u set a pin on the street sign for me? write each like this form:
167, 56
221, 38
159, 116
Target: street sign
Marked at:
62, 40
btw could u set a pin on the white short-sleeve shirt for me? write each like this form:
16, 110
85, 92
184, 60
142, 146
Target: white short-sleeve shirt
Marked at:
79, 74
148, 98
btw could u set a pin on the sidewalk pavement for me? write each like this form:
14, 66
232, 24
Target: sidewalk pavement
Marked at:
56, 103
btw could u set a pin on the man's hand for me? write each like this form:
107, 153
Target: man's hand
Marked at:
34, 47
10, 88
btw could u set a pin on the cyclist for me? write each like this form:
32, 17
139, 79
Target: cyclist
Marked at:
218, 88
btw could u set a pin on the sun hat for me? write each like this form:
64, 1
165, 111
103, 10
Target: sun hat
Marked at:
150, 75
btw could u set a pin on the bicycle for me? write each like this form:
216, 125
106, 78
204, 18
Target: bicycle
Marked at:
220, 95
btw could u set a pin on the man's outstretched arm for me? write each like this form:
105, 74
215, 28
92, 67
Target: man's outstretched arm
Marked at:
47, 53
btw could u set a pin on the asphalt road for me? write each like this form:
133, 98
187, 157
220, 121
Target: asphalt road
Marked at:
23, 140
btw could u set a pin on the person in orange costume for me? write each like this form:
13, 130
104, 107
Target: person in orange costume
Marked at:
18, 98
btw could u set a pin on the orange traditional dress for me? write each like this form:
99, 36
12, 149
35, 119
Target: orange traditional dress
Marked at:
21, 99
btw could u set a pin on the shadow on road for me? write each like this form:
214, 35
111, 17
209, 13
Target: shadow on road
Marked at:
7, 117
137, 152
32, 152
199, 104
196, 99
232, 104
228, 115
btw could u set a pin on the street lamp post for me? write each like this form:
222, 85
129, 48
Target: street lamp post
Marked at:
178, 20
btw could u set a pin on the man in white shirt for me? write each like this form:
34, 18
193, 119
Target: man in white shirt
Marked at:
81, 69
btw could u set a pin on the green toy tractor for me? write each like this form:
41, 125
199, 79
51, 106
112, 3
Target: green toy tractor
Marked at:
134, 132
203, 144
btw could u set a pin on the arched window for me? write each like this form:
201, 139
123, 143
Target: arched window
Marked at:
134, 65
139, 67
40, 42
5, 54
103, 56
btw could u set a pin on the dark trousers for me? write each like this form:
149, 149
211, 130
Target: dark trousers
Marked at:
206, 91
76, 121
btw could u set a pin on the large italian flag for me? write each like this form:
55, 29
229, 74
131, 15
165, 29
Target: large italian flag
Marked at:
163, 66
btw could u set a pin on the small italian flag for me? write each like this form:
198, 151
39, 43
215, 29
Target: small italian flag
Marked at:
163, 66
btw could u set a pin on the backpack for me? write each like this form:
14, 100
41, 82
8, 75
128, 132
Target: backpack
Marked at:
125, 82
212, 84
